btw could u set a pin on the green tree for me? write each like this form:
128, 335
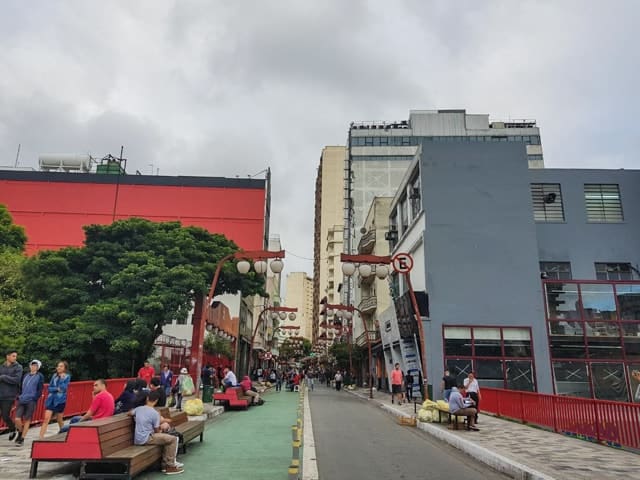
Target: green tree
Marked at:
12, 237
109, 300
216, 345
340, 351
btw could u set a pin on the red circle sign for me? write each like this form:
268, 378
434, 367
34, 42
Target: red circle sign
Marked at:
267, 356
402, 263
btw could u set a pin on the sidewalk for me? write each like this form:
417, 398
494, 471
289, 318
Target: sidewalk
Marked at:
522, 451
242, 445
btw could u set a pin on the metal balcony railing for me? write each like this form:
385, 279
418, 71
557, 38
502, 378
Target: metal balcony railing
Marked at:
367, 242
368, 304
374, 336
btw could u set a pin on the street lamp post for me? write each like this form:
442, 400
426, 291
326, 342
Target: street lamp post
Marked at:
201, 313
349, 309
381, 271
282, 313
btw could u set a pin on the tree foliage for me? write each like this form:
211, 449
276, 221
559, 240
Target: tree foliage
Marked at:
215, 345
288, 349
12, 237
106, 302
342, 351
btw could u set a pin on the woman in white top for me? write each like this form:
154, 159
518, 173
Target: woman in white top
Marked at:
473, 390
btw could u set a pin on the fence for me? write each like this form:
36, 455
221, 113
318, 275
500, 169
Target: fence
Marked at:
79, 395
611, 423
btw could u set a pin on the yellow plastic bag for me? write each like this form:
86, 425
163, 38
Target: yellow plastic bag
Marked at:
425, 415
442, 405
429, 404
194, 407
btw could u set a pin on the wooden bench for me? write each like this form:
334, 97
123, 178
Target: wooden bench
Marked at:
449, 417
109, 441
189, 429
232, 397
105, 441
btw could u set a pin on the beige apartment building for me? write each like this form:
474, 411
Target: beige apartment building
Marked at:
329, 227
299, 294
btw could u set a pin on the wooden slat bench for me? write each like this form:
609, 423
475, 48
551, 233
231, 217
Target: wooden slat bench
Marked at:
451, 417
108, 441
189, 429
233, 397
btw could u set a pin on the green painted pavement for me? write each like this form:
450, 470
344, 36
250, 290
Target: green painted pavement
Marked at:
243, 445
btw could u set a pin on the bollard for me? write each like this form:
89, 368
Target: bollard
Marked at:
296, 449
293, 472
294, 433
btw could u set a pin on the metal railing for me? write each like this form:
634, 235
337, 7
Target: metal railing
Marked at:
615, 424
374, 336
79, 396
368, 304
367, 242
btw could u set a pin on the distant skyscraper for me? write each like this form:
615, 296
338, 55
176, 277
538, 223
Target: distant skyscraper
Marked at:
300, 295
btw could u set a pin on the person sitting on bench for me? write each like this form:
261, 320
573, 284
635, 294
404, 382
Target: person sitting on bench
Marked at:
148, 431
458, 405
103, 405
248, 390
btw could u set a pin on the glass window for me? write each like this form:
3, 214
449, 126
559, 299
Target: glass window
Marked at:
603, 203
629, 301
631, 329
490, 373
562, 300
567, 346
547, 202
414, 196
457, 341
555, 270
368, 141
634, 381
566, 328
609, 382
520, 375
632, 348
604, 340
459, 369
404, 216
486, 342
598, 302
571, 379
517, 342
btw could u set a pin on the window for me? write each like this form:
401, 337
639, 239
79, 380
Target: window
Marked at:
555, 270
404, 215
598, 301
629, 301
613, 271
562, 300
414, 196
571, 379
603, 203
547, 202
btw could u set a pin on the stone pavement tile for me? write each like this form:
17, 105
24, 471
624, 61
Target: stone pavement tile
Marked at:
556, 455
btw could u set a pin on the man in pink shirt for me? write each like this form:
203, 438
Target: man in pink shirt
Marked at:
396, 383
102, 405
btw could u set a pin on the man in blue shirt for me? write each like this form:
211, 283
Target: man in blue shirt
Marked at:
463, 406
32, 385
148, 432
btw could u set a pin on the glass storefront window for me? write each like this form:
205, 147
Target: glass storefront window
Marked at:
631, 329
562, 300
598, 302
517, 342
567, 328
490, 373
457, 341
486, 342
629, 301
565, 346
571, 379
609, 382
520, 375
459, 369
632, 348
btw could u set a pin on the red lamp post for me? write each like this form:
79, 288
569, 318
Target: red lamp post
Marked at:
401, 263
283, 313
201, 313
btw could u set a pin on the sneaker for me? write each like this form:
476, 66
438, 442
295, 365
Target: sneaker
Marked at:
474, 428
173, 470
19, 441
178, 464
12, 435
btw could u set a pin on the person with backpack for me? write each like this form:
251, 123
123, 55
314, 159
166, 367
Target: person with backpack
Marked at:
32, 386
10, 377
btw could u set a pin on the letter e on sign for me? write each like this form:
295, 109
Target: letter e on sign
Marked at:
402, 263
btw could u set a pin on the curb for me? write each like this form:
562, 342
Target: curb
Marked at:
494, 460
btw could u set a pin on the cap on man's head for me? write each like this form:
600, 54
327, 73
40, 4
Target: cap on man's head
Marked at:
184, 370
36, 362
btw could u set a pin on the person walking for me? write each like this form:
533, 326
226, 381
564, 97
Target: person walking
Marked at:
408, 381
473, 390
56, 397
10, 378
32, 386
338, 380
396, 384
166, 378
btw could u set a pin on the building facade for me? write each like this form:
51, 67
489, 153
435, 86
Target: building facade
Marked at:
531, 274
299, 294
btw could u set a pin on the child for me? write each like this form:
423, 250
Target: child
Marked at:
148, 431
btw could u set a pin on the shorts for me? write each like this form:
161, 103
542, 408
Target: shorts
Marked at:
49, 405
25, 410
396, 388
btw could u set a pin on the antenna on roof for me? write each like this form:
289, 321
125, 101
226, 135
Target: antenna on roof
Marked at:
17, 155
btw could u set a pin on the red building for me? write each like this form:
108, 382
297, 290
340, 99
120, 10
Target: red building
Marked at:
54, 206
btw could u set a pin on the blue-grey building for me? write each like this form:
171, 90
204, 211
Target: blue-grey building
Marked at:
531, 273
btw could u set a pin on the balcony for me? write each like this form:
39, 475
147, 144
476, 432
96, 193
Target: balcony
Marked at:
374, 336
369, 304
367, 242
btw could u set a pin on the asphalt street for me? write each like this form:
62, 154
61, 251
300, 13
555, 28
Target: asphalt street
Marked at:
356, 440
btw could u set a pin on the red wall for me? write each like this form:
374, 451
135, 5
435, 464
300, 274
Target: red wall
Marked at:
53, 213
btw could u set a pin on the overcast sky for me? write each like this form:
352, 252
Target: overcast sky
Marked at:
231, 88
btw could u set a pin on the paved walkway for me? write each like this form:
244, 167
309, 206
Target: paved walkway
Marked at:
522, 450
242, 445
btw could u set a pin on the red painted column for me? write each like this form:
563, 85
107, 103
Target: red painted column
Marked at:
197, 339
